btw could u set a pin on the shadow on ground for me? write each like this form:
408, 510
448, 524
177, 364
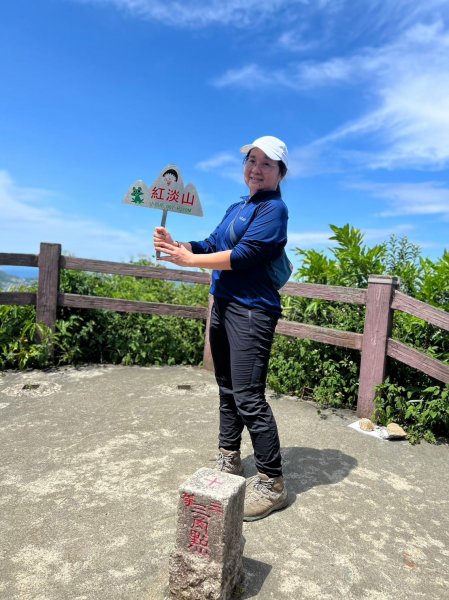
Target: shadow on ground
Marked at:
304, 469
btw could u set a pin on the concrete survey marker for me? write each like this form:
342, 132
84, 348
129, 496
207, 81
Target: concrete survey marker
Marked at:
207, 559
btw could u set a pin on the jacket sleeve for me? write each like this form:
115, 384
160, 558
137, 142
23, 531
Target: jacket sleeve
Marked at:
209, 245
264, 238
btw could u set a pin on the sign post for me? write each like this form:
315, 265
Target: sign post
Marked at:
166, 193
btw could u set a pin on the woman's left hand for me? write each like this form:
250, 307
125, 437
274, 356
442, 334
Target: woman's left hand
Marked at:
178, 255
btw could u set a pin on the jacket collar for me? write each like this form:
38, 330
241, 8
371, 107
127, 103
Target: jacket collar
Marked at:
263, 195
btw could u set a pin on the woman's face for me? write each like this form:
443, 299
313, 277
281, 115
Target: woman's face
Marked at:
261, 173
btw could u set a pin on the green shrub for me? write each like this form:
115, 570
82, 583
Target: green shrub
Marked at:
101, 336
18, 335
424, 413
331, 373
299, 367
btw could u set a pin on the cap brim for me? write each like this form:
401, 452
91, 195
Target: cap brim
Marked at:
267, 151
247, 148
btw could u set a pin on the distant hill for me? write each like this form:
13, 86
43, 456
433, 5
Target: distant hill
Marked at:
8, 281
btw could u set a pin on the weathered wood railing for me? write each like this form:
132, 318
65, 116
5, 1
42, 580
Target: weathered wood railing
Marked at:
380, 298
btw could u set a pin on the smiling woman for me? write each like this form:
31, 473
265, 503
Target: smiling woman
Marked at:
358, 104
245, 312
262, 173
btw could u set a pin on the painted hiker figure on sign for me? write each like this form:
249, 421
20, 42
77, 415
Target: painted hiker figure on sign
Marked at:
243, 251
170, 176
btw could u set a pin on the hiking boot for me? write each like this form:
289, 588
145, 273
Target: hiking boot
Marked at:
263, 496
228, 461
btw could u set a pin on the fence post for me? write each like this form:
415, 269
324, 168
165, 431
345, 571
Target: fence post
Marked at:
208, 362
377, 329
48, 284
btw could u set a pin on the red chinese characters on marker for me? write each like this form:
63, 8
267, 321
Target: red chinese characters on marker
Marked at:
188, 499
199, 528
161, 193
157, 193
188, 198
216, 507
173, 195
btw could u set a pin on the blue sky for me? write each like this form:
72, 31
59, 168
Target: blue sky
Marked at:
98, 93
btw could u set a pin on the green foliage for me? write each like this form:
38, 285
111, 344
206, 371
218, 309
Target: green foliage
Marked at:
423, 413
355, 261
129, 339
434, 281
332, 373
106, 336
402, 259
19, 333
299, 367
101, 336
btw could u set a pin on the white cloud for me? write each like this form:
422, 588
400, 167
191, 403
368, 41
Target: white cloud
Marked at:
312, 160
322, 24
401, 82
381, 234
426, 198
373, 14
306, 239
199, 14
28, 219
396, 15
406, 84
410, 123
252, 77
296, 40
312, 239
224, 164
217, 161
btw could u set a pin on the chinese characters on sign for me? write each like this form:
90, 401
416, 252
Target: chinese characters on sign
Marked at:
199, 529
167, 193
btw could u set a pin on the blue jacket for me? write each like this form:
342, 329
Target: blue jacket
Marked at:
261, 230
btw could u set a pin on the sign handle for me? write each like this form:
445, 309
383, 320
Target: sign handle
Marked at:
163, 221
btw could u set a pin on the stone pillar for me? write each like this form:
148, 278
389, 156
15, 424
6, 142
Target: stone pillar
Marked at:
206, 563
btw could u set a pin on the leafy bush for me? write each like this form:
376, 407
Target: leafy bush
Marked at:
18, 334
331, 373
299, 367
424, 413
101, 336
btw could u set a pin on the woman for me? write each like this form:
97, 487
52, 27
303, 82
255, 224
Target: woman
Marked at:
244, 315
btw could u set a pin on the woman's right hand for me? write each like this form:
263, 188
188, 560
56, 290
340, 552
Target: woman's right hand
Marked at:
162, 235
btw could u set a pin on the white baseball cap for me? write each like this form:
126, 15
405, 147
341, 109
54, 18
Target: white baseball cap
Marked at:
273, 147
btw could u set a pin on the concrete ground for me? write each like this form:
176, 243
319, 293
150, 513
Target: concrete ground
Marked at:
90, 464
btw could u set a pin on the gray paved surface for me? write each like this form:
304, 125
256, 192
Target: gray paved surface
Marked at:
91, 460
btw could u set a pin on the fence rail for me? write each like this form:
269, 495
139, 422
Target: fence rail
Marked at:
381, 299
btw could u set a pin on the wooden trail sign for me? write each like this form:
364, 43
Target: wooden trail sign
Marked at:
167, 192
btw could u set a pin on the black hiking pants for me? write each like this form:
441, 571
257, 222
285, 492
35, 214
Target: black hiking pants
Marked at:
241, 340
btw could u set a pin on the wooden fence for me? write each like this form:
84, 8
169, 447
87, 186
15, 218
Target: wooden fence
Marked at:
381, 298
